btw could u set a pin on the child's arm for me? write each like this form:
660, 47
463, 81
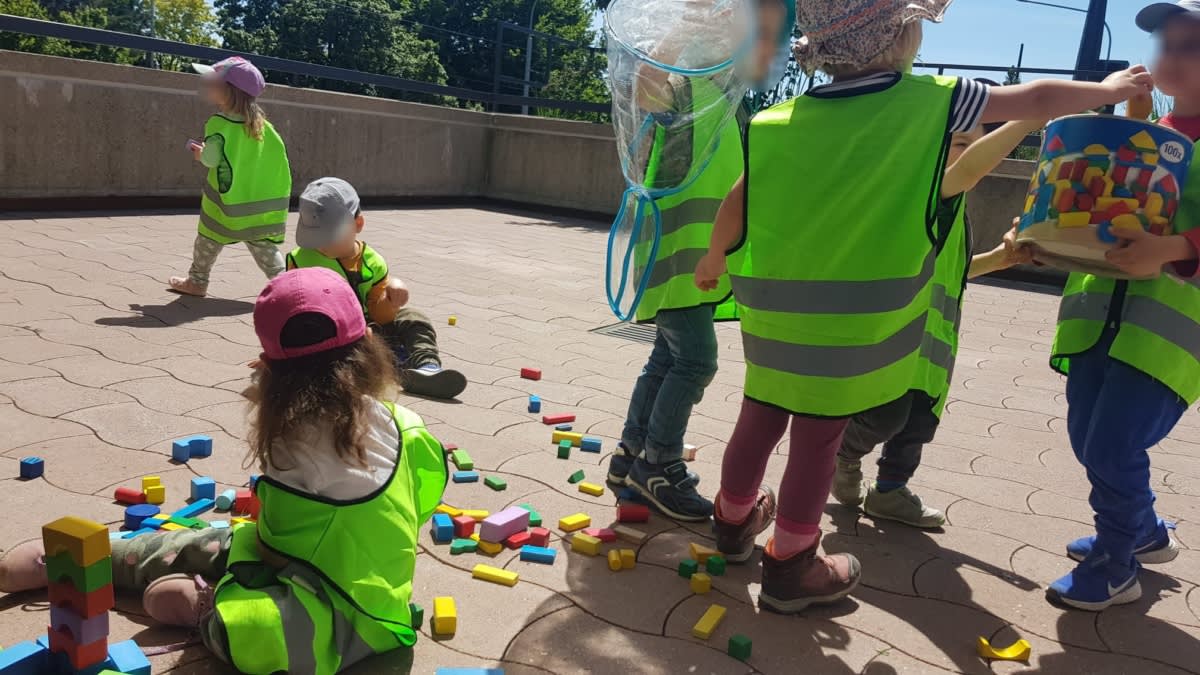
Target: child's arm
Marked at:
211, 150
727, 231
984, 156
385, 299
1004, 256
1142, 254
1047, 99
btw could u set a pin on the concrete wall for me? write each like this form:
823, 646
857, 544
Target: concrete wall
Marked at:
78, 129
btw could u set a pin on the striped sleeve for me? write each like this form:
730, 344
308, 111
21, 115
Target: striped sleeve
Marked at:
968, 103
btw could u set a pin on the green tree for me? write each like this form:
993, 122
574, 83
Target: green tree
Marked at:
77, 13
190, 21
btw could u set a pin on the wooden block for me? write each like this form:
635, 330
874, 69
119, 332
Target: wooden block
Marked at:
564, 449
687, 568
701, 583
700, 553
86, 605
448, 510
462, 460
628, 558
538, 554
574, 522
129, 496
576, 477
591, 489
465, 476
602, 533
226, 499
83, 631
503, 524
535, 404
531, 373
629, 534
416, 614
25, 658
80, 655
739, 647
585, 544
539, 536
495, 575
170, 527
204, 487
487, 547
516, 541
557, 419
614, 560
196, 508
632, 513
156, 494
460, 546
453, 320
535, 518
463, 526
715, 565
441, 528
86, 542
559, 436
150, 481
477, 514
708, 623
496, 483
445, 616
590, 444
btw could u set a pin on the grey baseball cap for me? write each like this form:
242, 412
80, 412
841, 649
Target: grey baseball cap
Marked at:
1154, 17
328, 207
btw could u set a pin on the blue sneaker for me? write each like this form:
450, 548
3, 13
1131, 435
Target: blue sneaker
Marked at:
619, 465
1155, 549
671, 488
1096, 584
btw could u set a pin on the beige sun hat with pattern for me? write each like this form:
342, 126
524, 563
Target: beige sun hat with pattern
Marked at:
854, 32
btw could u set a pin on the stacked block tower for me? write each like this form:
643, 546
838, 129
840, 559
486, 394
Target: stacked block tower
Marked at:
79, 568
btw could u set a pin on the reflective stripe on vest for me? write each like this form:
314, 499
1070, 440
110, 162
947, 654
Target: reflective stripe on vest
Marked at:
950, 280
247, 209
245, 197
1144, 312
834, 279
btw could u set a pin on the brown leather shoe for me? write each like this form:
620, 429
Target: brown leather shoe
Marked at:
185, 286
807, 578
178, 600
735, 541
23, 567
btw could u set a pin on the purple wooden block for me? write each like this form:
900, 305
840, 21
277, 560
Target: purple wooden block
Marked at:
503, 524
85, 631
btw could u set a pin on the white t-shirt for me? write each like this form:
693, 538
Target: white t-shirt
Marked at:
308, 461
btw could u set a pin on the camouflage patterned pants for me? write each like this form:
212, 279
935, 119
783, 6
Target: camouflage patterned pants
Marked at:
205, 252
141, 560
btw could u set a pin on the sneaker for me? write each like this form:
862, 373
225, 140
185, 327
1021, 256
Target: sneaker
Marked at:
185, 286
901, 505
1096, 584
1156, 549
807, 578
433, 381
671, 488
23, 567
619, 465
735, 541
847, 482
178, 600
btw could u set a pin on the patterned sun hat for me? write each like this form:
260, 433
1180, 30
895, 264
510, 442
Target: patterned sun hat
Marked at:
854, 32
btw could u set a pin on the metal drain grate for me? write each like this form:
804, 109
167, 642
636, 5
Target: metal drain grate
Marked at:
636, 332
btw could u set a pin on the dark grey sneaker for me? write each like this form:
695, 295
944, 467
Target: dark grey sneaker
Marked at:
671, 488
619, 465
433, 381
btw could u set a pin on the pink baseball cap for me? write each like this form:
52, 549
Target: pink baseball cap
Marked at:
316, 291
236, 71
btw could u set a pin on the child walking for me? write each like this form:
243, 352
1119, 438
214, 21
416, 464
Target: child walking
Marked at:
683, 362
831, 245
1131, 354
249, 181
343, 470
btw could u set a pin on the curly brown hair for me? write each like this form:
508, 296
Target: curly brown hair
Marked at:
329, 389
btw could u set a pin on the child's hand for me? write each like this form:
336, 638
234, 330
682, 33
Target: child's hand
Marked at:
1010, 253
396, 294
196, 147
1142, 254
1131, 83
709, 271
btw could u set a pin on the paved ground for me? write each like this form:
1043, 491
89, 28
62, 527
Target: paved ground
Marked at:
100, 369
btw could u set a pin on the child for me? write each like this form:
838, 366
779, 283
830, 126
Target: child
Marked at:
684, 359
327, 236
342, 470
1129, 350
249, 180
905, 425
830, 237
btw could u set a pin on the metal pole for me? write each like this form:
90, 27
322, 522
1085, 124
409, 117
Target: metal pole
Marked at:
528, 57
497, 64
1093, 35
151, 60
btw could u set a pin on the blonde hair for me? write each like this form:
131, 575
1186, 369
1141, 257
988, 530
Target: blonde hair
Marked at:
245, 106
897, 56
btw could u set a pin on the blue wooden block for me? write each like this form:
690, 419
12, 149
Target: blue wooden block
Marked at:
137, 533
219, 524
470, 671
24, 658
563, 427
535, 404
253, 480
127, 657
442, 528
590, 444
226, 499
193, 446
195, 508
155, 522
465, 477
180, 452
204, 487
32, 467
135, 515
538, 554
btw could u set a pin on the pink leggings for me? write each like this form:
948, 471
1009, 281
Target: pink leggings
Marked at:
812, 451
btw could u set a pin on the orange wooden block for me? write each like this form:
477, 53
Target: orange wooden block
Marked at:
86, 605
80, 656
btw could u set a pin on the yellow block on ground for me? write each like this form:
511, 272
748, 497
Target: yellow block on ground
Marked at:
585, 544
591, 489
487, 547
156, 494
495, 575
700, 553
614, 560
475, 514
701, 583
559, 436
628, 558
445, 616
150, 481
708, 623
574, 522
85, 541
448, 510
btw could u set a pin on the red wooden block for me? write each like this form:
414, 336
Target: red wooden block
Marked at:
1066, 200
517, 540
1085, 202
86, 605
80, 656
1097, 187
254, 506
449, 447
632, 513
1118, 209
602, 533
557, 419
241, 503
464, 526
129, 496
539, 536
1097, 218
531, 373
1078, 169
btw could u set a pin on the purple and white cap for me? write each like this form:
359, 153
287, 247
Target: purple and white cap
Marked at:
237, 72
1153, 18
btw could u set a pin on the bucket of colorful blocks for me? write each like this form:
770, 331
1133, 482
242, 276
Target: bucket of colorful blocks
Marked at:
1097, 174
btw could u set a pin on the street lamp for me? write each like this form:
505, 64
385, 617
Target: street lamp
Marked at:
528, 56
1107, 30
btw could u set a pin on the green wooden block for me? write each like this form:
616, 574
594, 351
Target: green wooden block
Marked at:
739, 647
418, 615
564, 449
495, 483
85, 579
535, 518
459, 546
462, 460
576, 477
190, 523
688, 567
715, 565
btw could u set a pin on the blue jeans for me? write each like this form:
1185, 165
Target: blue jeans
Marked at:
1116, 413
683, 363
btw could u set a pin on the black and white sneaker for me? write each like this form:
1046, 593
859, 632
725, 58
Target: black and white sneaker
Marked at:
671, 488
433, 381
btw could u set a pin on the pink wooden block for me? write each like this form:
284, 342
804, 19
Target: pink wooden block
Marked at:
602, 533
502, 525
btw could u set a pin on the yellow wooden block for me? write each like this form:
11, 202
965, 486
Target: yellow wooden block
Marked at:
156, 494
701, 583
628, 558
1142, 140
453, 320
476, 514
614, 559
171, 526
591, 489
149, 481
1127, 222
448, 510
1074, 219
85, 541
1154, 205
574, 522
490, 548
445, 616
239, 520
559, 436
708, 623
585, 544
495, 575
700, 553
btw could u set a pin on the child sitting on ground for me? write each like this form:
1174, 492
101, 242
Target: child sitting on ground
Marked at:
342, 470
327, 236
